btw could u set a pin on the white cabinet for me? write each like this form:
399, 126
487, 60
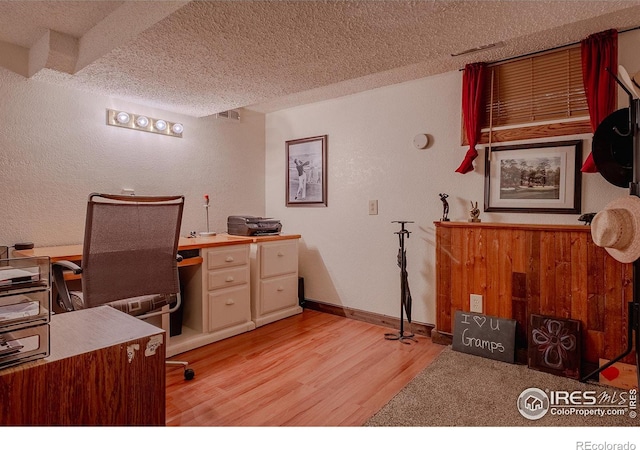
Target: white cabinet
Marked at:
216, 298
227, 282
236, 288
274, 280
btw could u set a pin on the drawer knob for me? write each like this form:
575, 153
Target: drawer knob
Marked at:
280, 254
280, 289
229, 259
229, 279
230, 301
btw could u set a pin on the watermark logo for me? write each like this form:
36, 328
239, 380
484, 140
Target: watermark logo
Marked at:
533, 403
589, 445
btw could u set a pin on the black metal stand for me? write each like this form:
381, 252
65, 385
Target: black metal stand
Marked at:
633, 314
405, 293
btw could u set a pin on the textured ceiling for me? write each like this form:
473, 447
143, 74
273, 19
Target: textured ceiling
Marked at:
203, 57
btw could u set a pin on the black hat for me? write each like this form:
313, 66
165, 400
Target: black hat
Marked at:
612, 148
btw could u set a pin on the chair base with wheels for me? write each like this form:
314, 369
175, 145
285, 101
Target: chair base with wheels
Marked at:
189, 374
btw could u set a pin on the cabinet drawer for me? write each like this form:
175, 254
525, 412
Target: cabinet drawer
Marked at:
24, 310
25, 344
279, 258
278, 293
229, 307
230, 256
224, 278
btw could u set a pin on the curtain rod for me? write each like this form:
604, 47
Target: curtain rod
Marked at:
550, 49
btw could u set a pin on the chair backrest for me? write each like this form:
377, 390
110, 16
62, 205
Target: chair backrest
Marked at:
130, 247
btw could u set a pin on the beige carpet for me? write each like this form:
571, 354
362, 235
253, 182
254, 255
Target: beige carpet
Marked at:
458, 389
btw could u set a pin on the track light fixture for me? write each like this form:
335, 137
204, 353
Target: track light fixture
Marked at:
139, 122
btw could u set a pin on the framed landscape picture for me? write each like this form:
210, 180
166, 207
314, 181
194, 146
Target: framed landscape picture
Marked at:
534, 178
306, 183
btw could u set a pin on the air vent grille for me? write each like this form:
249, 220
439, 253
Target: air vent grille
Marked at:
231, 115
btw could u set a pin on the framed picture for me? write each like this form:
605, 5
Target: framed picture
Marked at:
554, 346
307, 172
534, 178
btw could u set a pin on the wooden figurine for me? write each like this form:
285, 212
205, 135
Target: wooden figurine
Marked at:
475, 213
445, 207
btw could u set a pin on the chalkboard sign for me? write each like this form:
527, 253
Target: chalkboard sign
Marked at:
486, 336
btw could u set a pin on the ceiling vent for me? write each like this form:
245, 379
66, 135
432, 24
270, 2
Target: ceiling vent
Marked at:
479, 49
230, 115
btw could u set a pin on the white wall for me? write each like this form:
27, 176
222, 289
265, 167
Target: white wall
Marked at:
348, 257
55, 149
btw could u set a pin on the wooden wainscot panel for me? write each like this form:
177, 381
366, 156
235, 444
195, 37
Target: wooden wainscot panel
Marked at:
525, 269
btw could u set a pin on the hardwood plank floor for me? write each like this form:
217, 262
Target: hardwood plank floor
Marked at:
312, 369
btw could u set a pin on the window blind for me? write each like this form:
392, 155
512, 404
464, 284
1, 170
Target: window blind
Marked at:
543, 87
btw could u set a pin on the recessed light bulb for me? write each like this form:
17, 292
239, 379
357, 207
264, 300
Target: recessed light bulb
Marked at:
161, 125
142, 121
122, 117
177, 128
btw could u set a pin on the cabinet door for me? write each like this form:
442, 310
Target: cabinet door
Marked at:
131, 391
102, 387
228, 307
278, 293
278, 258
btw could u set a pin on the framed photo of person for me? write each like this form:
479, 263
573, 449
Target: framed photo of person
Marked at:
306, 183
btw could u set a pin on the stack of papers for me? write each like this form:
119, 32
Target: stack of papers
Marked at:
19, 310
12, 276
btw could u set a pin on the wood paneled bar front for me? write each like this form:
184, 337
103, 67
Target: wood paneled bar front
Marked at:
519, 269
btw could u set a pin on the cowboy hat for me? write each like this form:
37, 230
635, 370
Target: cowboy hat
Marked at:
631, 83
613, 152
617, 228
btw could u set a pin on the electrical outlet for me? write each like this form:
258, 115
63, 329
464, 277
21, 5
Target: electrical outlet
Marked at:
373, 207
475, 303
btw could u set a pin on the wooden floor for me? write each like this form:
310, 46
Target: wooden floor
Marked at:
312, 369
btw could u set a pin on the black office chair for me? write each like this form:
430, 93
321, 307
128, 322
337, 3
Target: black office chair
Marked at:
129, 258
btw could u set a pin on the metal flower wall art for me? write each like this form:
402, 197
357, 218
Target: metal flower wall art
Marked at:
554, 346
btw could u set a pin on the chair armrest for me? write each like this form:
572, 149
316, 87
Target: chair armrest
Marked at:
68, 265
58, 267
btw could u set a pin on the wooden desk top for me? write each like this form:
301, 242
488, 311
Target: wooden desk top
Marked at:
74, 252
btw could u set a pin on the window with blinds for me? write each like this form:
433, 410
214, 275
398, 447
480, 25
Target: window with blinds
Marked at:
543, 87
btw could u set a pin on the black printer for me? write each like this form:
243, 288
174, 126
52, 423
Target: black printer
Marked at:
252, 226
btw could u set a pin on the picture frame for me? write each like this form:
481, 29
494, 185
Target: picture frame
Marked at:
534, 178
306, 178
554, 346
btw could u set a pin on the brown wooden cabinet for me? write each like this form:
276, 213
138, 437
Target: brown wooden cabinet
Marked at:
520, 270
105, 368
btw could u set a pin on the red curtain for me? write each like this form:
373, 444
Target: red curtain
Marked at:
599, 51
472, 86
